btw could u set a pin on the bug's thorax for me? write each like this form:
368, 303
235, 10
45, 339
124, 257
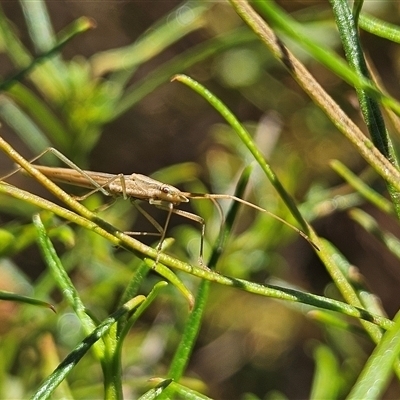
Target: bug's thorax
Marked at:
142, 187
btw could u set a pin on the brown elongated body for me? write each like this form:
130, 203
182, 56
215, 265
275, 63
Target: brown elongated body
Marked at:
134, 186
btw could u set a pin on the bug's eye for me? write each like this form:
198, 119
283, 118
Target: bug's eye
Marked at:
165, 189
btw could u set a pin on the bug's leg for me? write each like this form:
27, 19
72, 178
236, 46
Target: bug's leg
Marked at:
102, 207
161, 230
170, 210
48, 150
199, 220
123, 186
191, 216
101, 188
72, 165
247, 203
150, 219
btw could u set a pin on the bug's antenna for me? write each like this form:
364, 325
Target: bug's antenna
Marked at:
214, 197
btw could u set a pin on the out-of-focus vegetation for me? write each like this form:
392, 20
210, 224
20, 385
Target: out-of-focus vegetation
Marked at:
270, 318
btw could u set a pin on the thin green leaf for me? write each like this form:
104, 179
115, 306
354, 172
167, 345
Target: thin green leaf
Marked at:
77, 27
136, 92
11, 43
246, 138
375, 377
369, 106
187, 18
335, 321
193, 324
173, 278
346, 280
39, 24
60, 373
371, 225
142, 308
153, 393
43, 116
26, 129
180, 391
380, 28
363, 145
61, 277
366, 191
112, 364
326, 380
8, 296
294, 30
357, 6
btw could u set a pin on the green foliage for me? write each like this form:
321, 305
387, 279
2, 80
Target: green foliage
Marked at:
137, 322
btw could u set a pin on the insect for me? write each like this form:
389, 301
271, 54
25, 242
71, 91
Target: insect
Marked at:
141, 187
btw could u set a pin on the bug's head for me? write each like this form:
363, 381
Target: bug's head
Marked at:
172, 195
